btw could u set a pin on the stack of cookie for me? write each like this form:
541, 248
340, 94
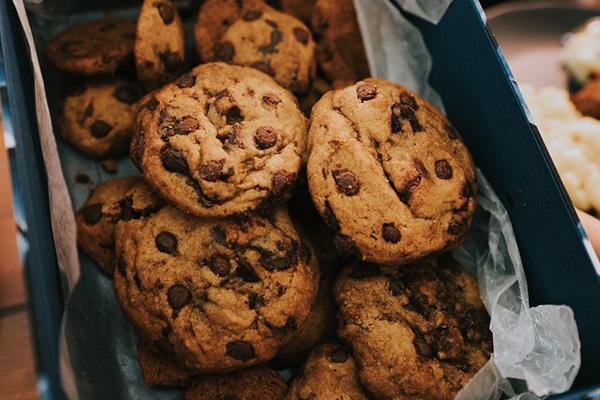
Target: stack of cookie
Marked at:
251, 226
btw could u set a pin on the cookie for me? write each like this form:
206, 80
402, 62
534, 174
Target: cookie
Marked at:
587, 99
258, 383
329, 373
159, 44
112, 201
301, 9
340, 50
219, 294
93, 48
97, 117
418, 332
389, 173
159, 370
221, 140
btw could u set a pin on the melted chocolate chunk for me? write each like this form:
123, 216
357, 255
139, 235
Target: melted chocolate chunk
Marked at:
245, 271
166, 242
240, 350
276, 37
173, 160
100, 128
166, 12
252, 15
366, 91
301, 35
186, 81
265, 137
346, 182
178, 296
212, 170
282, 182
338, 355
127, 93
219, 264
390, 233
224, 51
443, 170
234, 115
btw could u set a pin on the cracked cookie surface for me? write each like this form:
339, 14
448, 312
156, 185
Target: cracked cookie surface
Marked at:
417, 331
220, 294
97, 117
330, 372
112, 201
389, 173
94, 48
159, 44
221, 140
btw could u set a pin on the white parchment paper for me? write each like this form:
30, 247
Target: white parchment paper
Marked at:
98, 359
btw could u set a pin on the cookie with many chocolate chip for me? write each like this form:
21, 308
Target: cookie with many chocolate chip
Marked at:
329, 373
417, 331
159, 44
97, 117
93, 48
112, 201
275, 43
220, 294
258, 383
389, 173
221, 140
340, 51
160, 370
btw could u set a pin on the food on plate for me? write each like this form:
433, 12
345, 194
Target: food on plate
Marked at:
581, 52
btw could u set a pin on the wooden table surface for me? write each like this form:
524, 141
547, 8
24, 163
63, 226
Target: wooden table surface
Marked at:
17, 372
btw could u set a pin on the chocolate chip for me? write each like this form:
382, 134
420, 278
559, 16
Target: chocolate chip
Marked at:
171, 60
219, 235
240, 350
422, 347
100, 128
178, 296
271, 99
420, 167
121, 266
166, 242
366, 91
265, 137
127, 93
443, 170
456, 228
166, 11
363, 270
211, 171
89, 110
245, 271
272, 23
301, 35
273, 262
92, 213
234, 115
186, 81
255, 300
402, 112
186, 125
409, 100
263, 66
390, 233
282, 182
406, 192
152, 104
396, 287
173, 160
276, 37
344, 246
396, 122
219, 264
252, 15
82, 178
346, 182
224, 51
452, 132
338, 355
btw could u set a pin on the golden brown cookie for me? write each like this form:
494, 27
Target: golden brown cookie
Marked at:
219, 294
159, 370
221, 140
389, 173
258, 383
340, 51
418, 332
93, 48
97, 117
329, 373
159, 44
112, 201
587, 99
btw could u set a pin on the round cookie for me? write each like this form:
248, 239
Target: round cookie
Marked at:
219, 294
340, 50
94, 48
112, 201
97, 117
418, 331
389, 173
159, 370
159, 45
329, 373
221, 140
258, 383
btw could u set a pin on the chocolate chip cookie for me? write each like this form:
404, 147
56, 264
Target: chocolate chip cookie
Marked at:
221, 140
159, 44
340, 50
94, 48
389, 173
112, 201
418, 331
329, 373
159, 370
220, 294
258, 383
275, 43
97, 117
